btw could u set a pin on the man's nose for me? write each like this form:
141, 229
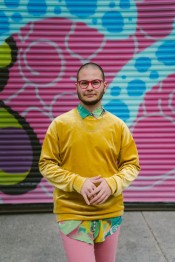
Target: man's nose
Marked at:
90, 87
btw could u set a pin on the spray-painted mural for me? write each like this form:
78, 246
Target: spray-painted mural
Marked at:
43, 43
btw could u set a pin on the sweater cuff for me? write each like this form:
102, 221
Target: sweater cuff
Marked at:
78, 183
112, 184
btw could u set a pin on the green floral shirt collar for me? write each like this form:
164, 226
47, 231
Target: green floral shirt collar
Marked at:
84, 112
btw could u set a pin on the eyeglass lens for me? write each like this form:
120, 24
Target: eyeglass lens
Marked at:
95, 83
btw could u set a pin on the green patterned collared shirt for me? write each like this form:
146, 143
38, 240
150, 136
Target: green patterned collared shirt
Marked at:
84, 112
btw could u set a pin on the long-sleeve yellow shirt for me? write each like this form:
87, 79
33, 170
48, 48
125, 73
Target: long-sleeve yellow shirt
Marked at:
75, 149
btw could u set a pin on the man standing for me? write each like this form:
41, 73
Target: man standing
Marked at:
90, 157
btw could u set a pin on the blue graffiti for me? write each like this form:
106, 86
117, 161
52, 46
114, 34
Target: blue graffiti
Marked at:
125, 4
154, 75
166, 53
37, 8
136, 87
113, 22
118, 108
17, 17
57, 10
12, 3
110, 19
112, 4
145, 70
115, 91
94, 21
81, 9
4, 23
142, 64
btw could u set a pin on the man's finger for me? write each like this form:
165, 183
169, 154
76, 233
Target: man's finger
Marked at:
96, 191
102, 201
96, 179
97, 197
99, 200
86, 199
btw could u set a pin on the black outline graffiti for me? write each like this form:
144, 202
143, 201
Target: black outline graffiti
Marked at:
4, 71
34, 176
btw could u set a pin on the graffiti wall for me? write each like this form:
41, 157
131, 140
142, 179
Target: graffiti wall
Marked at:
43, 43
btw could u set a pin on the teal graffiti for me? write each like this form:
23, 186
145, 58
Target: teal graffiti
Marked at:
143, 71
110, 18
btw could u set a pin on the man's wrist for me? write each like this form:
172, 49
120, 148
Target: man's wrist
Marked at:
78, 183
112, 184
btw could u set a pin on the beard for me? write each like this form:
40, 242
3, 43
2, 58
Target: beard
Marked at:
93, 102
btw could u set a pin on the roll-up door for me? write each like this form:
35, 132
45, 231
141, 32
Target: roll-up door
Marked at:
43, 43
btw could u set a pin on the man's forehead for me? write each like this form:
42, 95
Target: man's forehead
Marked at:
90, 68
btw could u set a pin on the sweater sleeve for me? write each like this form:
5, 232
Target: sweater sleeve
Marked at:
50, 164
128, 164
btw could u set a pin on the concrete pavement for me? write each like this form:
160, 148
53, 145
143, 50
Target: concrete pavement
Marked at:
145, 237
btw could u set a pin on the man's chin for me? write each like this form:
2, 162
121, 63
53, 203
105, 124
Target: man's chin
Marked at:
90, 103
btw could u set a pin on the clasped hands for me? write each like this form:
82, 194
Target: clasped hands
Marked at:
95, 190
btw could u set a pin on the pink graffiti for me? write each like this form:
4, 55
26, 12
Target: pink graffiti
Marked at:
42, 86
155, 17
155, 21
154, 132
43, 79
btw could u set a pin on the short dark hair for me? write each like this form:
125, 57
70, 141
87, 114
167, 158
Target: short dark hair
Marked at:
93, 65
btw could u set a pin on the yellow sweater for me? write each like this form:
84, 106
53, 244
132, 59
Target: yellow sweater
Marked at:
75, 149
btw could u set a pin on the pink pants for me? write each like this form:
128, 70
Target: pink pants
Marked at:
78, 251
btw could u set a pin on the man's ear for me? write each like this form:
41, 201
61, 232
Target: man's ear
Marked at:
105, 86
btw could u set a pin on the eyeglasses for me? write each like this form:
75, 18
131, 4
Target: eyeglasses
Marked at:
94, 83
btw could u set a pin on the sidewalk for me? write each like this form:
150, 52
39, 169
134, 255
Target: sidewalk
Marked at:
145, 237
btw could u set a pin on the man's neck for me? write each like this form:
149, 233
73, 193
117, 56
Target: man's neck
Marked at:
91, 108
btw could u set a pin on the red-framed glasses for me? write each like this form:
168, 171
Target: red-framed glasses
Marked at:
96, 83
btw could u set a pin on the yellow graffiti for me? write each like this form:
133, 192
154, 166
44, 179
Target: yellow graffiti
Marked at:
5, 52
8, 120
7, 179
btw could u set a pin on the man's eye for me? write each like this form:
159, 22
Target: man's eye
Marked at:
84, 83
95, 82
